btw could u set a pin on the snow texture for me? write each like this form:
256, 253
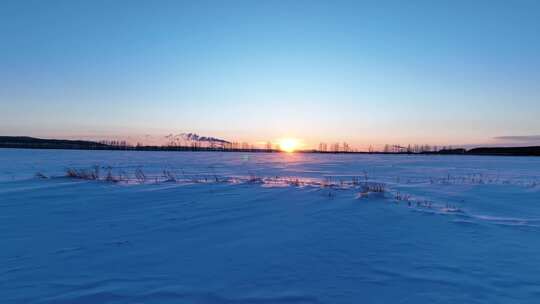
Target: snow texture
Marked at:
267, 228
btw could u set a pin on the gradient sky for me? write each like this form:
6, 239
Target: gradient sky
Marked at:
366, 72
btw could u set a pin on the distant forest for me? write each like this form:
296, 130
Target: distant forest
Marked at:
25, 142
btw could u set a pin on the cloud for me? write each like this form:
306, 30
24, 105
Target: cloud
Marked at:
521, 139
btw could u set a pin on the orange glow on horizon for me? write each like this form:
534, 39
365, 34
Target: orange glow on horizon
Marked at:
288, 145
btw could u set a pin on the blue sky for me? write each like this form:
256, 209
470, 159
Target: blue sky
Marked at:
366, 72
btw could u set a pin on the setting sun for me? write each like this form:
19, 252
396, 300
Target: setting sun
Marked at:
288, 145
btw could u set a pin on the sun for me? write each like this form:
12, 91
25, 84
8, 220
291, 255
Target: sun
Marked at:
288, 145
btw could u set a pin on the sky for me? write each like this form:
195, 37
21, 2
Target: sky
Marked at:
364, 72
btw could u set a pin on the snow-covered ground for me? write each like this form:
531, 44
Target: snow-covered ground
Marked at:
268, 228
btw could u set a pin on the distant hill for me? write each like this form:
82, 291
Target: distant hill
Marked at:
516, 151
39, 143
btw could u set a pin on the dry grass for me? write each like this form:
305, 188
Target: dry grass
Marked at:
140, 176
367, 188
41, 176
169, 176
86, 174
374, 188
254, 179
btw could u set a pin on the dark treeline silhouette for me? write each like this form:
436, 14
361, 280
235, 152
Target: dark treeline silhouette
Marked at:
422, 149
38, 143
225, 146
387, 149
336, 148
